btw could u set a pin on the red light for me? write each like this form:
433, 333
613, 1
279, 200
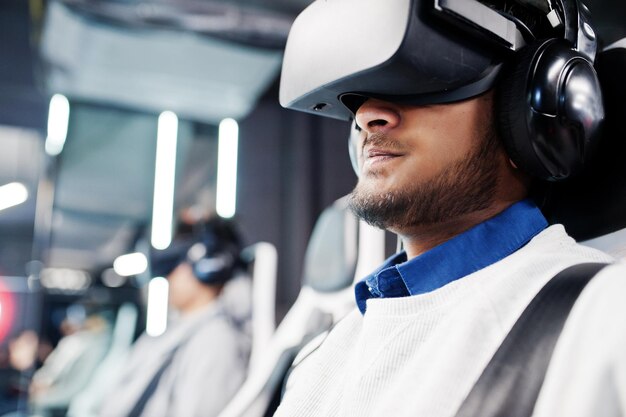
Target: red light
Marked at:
7, 310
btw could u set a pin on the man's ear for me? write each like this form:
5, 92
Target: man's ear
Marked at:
353, 140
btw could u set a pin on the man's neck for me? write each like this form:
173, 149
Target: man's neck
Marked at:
422, 238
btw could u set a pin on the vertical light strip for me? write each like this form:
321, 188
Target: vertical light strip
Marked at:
164, 172
156, 317
58, 120
226, 198
12, 194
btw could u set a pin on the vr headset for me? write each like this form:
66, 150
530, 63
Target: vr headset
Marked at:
423, 52
212, 251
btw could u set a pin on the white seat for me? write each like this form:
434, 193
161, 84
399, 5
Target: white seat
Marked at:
337, 242
250, 299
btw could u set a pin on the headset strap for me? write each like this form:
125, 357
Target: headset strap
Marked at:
510, 384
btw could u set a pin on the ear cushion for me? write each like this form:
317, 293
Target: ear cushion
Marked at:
550, 109
512, 103
215, 266
215, 269
215, 255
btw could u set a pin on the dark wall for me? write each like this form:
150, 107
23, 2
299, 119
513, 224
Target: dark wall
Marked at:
21, 101
23, 105
608, 18
292, 166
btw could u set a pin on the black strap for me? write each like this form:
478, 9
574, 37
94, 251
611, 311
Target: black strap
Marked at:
510, 384
154, 382
152, 386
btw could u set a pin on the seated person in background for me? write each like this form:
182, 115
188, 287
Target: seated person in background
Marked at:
198, 364
17, 362
64, 373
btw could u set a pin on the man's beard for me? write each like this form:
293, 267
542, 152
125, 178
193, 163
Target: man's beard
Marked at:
464, 187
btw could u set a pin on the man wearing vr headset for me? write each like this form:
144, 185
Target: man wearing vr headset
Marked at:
197, 365
461, 107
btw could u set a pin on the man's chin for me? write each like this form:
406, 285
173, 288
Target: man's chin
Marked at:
374, 206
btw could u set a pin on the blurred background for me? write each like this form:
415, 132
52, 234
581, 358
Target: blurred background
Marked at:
120, 119
83, 85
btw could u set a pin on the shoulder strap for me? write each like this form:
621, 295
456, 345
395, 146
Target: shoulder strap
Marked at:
150, 389
510, 384
141, 402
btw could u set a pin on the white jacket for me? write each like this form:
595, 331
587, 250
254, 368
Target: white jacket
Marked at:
207, 368
421, 355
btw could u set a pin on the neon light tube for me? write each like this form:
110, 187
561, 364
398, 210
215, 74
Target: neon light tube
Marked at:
58, 121
164, 173
226, 198
130, 264
156, 317
12, 194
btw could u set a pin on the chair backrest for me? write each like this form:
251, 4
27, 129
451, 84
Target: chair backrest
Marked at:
332, 261
613, 243
262, 260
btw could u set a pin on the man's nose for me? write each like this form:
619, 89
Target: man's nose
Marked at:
377, 116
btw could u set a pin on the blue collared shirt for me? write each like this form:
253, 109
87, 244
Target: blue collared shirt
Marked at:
472, 250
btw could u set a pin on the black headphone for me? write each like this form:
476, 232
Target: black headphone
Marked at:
549, 100
215, 254
212, 249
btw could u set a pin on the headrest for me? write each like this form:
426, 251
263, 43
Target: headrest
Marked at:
594, 204
330, 259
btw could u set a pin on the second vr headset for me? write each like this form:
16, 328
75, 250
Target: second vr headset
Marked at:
212, 249
342, 52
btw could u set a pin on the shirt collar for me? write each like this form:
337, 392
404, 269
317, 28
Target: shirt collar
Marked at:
468, 252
